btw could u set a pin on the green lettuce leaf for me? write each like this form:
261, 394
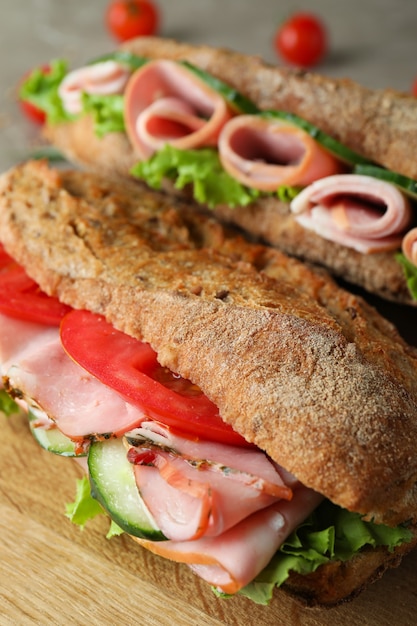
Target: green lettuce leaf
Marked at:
317, 541
114, 530
201, 169
410, 272
286, 193
107, 112
41, 89
84, 507
7, 405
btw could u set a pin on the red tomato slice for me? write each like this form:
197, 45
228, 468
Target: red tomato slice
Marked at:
130, 367
4, 257
21, 297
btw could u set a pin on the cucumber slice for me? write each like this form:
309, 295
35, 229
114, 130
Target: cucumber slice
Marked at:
405, 184
51, 439
133, 61
338, 150
240, 103
113, 485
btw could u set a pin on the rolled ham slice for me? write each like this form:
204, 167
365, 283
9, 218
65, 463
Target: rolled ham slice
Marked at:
167, 104
264, 154
359, 212
106, 78
409, 246
233, 559
195, 488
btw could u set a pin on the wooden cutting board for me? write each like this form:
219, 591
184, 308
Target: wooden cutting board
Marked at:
53, 573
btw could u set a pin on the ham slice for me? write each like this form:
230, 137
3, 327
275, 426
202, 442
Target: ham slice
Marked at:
233, 559
167, 104
264, 153
106, 78
18, 338
195, 488
409, 246
359, 212
35, 363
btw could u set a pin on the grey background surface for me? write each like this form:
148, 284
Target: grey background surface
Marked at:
371, 41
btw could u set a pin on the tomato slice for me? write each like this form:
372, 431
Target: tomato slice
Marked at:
130, 367
21, 297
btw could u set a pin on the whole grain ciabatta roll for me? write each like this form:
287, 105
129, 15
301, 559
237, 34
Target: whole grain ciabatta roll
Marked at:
239, 412
244, 138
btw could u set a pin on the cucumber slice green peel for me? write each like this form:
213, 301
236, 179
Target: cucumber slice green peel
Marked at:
239, 102
52, 439
405, 184
113, 485
132, 61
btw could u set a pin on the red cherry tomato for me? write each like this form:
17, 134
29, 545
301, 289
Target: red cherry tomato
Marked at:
31, 111
21, 297
414, 88
130, 367
126, 19
302, 40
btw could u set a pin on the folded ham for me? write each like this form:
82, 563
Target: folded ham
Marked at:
266, 153
106, 78
33, 359
166, 103
357, 211
195, 488
409, 246
232, 560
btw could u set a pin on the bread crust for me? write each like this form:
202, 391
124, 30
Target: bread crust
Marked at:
380, 125
305, 370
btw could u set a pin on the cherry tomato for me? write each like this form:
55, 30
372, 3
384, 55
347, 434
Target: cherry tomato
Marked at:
126, 19
302, 40
130, 367
31, 111
21, 297
414, 88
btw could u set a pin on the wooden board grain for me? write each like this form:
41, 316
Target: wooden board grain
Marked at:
53, 573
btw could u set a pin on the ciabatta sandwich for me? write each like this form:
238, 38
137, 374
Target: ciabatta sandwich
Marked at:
321, 168
239, 412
